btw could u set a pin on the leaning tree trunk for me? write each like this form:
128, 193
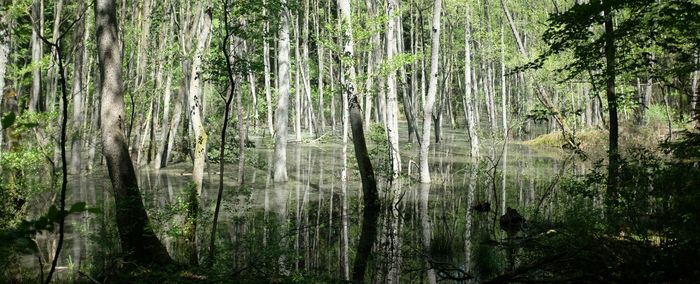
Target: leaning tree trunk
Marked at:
282, 119
432, 90
369, 184
138, 241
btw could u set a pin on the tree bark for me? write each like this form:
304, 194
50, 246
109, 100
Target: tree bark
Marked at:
392, 122
282, 117
432, 90
37, 46
266, 63
195, 100
504, 98
468, 101
369, 185
4, 57
613, 155
297, 86
138, 241
77, 91
165, 126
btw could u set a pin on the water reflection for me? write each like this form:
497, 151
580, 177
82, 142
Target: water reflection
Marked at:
317, 225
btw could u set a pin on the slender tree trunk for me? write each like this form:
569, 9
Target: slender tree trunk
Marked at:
174, 125
242, 128
165, 126
4, 59
432, 90
280, 168
143, 44
77, 91
51, 78
297, 87
613, 155
138, 241
468, 101
504, 97
425, 223
320, 51
266, 63
37, 46
392, 122
95, 121
372, 56
233, 85
369, 185
694, 100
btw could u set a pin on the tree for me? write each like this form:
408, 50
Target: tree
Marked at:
369, 183
622, 48
468, 102
37, 50
195, 100
432, 90
138, 241
392, 106
282, 119
77, 90
4, 49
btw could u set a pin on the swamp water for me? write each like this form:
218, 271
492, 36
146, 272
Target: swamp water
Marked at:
311, 226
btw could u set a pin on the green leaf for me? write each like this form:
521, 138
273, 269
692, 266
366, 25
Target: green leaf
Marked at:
78, 207
8, 120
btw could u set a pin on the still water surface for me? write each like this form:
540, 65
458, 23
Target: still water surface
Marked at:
310, 226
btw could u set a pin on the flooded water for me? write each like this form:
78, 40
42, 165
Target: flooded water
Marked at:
311, 226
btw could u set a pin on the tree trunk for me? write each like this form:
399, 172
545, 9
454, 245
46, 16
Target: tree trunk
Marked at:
242, 128
504, 98
165, 126
51, 79
138, 241
392, 122
77, 91
37, 46
432, 90
694, 100
369, 185
613, 155
297, 87
174, 124
468, 101
195, 101
4, 58
94, 122
266, 63
280, 168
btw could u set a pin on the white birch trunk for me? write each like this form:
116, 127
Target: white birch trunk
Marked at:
432, 90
